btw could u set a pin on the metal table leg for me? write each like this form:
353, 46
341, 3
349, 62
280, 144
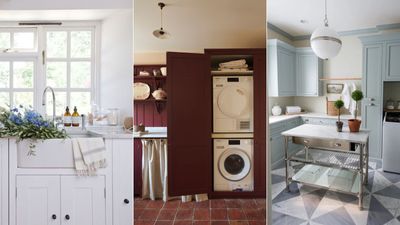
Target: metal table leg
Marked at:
366, 161
286, 163
361, 173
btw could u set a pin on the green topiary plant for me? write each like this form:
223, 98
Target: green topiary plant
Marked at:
338, 105
357, 95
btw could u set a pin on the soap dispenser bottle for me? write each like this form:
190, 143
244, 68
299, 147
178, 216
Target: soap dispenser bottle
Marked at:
76, 118
67, 118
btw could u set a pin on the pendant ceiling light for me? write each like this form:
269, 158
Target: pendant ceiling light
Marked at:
161, 33
325, 42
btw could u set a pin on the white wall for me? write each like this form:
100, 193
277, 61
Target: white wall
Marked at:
116, 62
63, 5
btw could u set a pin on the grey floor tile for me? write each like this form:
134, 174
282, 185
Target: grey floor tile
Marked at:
283, 219
339, 216
378, 214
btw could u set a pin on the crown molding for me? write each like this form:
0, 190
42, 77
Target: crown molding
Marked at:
373, 30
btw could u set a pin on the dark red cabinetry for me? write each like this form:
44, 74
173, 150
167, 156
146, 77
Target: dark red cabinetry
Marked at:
189, 107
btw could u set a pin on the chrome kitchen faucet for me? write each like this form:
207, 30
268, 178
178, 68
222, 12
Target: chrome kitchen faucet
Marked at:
54, 101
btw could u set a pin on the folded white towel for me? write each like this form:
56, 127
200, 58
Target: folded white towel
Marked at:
233, 69
89, 155
353, 104
233, 63
293, 109
235, 66
346, 96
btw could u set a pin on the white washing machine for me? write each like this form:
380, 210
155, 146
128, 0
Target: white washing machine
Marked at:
233, 165
232, 104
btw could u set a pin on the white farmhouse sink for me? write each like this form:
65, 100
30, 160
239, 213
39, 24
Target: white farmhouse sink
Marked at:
50, 153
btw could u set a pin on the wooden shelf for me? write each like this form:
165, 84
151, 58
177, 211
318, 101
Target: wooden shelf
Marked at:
340, 78
150, 100
218, 72
138, 77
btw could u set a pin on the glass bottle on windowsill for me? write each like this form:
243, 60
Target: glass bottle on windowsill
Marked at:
76, 118
67, 118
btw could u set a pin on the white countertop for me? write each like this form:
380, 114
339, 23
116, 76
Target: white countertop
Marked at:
276, 119
153, 132
327, 132
113, 132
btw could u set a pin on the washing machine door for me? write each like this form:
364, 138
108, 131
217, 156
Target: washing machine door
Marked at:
234, 164
233, 101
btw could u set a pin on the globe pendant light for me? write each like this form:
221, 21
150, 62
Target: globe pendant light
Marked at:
325, 42
161, 33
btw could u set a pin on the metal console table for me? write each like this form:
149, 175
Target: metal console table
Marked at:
333, 160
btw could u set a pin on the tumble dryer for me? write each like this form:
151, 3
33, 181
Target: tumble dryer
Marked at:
233, 165
232, 104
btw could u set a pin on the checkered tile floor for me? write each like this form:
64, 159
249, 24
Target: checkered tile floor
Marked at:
306, 205
212, 212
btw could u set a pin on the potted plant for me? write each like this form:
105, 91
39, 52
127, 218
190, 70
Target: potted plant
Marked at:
338, 105
354, 124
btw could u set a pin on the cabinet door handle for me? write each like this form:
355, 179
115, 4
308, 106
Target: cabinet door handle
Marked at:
54, 216
370, 99
126, 201
371, 104
67, 217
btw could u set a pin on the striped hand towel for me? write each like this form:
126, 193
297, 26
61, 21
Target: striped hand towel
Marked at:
89, 155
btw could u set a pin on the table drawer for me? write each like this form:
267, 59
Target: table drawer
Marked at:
318, 143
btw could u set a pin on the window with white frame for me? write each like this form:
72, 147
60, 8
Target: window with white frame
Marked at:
60, 57
70, 67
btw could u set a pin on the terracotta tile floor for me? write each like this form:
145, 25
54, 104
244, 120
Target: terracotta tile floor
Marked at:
212, 212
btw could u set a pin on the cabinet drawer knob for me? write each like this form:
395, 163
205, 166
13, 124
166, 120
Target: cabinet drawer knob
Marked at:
371, 104
338, 144
54, 216
67, 217
126, 201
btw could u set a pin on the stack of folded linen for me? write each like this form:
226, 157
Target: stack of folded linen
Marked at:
234, 66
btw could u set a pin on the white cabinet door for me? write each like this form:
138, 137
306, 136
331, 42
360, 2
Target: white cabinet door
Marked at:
123, 181
83, 200
4, 181
38, 200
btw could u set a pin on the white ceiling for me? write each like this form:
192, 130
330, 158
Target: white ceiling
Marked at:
199, 24
343, 15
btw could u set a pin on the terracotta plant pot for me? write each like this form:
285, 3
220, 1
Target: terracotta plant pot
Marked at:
354, 125
339, 126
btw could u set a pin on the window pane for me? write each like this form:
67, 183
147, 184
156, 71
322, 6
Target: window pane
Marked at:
80, 74
56, 44
23, 98
5, 41
81, 44
4, 99
4, 74
61, 102
82, 102
24, 40
23, 75
56, 74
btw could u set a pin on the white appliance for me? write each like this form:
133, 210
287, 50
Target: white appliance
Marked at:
233, 104
391, 142
233, 165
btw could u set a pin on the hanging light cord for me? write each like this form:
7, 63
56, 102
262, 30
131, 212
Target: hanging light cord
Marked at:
326, 15
161, 19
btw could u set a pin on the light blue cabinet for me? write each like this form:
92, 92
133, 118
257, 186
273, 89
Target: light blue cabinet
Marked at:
293, 71
277, 141
393, 61
309, 71
281, 69
372, 89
